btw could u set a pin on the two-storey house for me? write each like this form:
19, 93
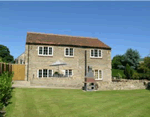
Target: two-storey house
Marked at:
42, 50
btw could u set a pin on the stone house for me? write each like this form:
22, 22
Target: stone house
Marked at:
20, 59
42, 50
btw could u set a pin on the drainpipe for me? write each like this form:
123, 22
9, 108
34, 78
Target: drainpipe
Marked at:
28, 65
85, 84
85, 63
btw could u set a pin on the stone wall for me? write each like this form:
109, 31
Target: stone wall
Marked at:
73, 83
76, 63
58, 82
122, 85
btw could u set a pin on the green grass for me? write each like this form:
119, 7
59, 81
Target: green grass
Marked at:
76, 103
116, 71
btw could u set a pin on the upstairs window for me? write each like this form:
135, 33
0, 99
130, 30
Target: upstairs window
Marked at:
96, 53
69, 52
45, 51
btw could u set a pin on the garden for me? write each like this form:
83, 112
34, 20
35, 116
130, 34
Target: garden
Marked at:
128, 66
27, 102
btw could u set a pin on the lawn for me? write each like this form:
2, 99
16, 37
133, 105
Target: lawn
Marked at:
76, 103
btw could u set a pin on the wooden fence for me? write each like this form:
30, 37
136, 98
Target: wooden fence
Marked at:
19, 70
5, 67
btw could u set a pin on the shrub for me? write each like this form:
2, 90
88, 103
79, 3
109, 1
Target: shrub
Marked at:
119, 76
148, 86
144, 76
117, 73
5, 88
128, 72
135, 75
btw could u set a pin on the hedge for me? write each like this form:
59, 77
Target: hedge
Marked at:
5, 88
138, 76
118, 73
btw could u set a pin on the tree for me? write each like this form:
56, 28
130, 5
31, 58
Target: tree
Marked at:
128, 72
117, 61
5, 54
145, 66
131, 57
1, 59
147, 62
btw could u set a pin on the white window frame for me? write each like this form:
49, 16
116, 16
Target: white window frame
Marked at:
68, 52
68, 72
98, 53
42, 73
43, 51
38, 73
98, 74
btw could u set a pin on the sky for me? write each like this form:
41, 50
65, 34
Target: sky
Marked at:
121, 25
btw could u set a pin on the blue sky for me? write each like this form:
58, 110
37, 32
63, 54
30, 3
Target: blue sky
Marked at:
121, 25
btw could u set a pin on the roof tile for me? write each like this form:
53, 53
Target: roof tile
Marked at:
53, 39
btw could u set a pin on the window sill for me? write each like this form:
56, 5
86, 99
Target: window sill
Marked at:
70, 56
96, 57
52, 77
45, 55
98, 79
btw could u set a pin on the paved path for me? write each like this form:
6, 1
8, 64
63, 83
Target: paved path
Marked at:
21, 86
27, 84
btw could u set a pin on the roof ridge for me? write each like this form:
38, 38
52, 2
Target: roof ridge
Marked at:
61, 35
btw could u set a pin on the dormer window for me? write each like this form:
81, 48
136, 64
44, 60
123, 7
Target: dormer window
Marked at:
69, 52
96, 53
45, 51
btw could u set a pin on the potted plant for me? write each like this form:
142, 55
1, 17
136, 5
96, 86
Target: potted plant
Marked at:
56, 74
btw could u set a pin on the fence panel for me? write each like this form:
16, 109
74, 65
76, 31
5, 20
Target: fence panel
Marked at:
5, 67
19, 72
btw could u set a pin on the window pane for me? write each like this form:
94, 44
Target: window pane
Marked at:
100, 74
50, 73
71, 51
70, 72
44, 72
50, 51
40, 73
45, 50
96, 53
100, 53
40, 50
66, 72
96, 74
67, 51
92, 53
20, 61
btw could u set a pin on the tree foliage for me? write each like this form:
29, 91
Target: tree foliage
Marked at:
5, 54
147, 62
5, 88
145, 66
117, 61
131, 57
1, 59
128, 72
